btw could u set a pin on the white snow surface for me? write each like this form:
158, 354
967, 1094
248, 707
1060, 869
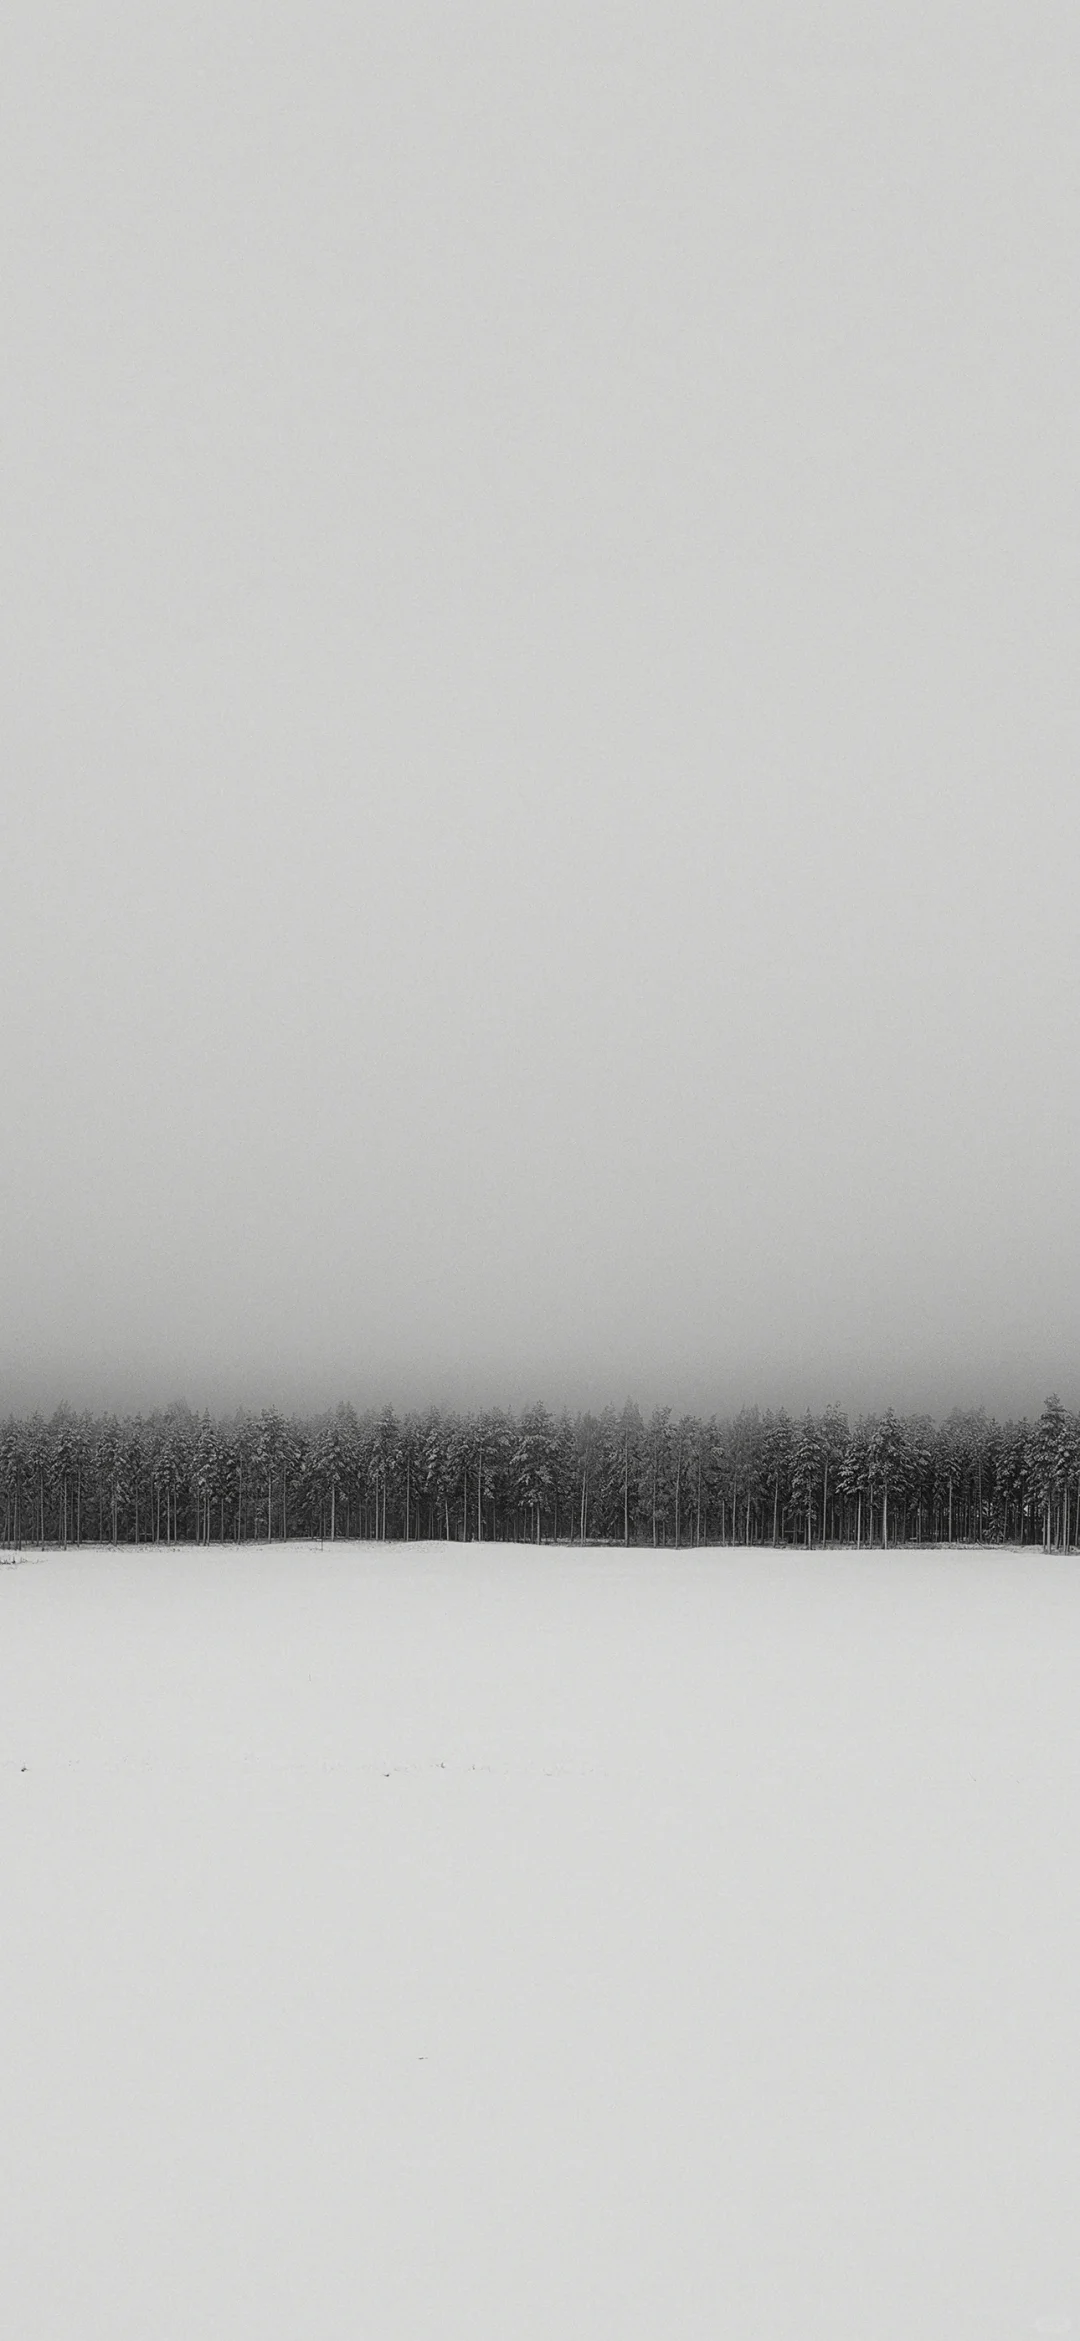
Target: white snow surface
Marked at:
429, 1941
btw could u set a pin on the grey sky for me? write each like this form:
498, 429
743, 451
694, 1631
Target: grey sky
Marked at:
540, 834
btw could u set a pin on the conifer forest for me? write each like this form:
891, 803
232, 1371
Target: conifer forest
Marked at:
613, 1477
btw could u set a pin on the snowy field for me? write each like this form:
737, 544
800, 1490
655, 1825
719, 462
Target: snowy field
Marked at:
427, 1941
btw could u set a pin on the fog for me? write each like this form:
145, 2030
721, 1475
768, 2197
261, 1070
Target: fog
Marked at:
540, 565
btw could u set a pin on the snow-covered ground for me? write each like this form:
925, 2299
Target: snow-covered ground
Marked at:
432, 1941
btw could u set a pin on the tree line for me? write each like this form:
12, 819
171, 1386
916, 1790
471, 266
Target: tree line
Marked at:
614, 1477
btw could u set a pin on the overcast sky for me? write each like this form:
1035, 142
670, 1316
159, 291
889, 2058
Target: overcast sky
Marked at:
541, 809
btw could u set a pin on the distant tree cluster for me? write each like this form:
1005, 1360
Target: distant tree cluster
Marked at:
611, 1478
